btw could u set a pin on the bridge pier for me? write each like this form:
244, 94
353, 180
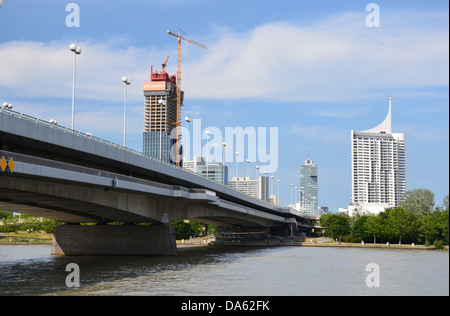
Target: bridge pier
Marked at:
111, 240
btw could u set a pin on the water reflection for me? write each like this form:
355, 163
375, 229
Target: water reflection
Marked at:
227, 271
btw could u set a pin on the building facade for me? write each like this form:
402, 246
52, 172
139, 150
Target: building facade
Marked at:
160, 115
378, 166
214, 171
309, 193
257, 188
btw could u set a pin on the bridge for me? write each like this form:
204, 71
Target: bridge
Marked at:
74, 178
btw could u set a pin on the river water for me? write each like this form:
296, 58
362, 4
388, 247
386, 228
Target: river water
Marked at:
229, 271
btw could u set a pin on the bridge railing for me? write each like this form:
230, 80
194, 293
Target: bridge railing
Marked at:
109, 143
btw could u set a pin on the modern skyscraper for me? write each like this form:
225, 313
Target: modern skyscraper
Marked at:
309, 188
160, 115
378, 166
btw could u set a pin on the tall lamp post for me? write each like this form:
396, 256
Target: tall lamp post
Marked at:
127, 81
278, 192
248, 170
188, 141
77, 51
237, 154
161, 102
208, 133
223, 161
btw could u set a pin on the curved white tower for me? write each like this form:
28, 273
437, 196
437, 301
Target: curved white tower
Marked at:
378, 166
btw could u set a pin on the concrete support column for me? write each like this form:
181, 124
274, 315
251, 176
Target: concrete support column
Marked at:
109, 240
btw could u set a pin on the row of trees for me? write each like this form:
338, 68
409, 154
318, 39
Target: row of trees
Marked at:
10, 223
417, 220
29, 223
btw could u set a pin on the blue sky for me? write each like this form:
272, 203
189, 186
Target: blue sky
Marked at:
311, 68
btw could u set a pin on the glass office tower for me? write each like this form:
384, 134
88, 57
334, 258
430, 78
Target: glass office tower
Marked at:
309, 188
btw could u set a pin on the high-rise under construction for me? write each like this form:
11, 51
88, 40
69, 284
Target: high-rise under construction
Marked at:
161, 116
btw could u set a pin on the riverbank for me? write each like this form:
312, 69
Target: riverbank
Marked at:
322, 242
46, 239
25, 238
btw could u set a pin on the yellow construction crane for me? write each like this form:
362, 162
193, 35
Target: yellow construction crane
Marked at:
165, 64
178, 122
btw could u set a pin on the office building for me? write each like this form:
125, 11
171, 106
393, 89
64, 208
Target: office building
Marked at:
257, 188
309, 188
214, 171
160, 116
378, 167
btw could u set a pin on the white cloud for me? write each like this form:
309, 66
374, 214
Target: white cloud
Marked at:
337, 59
45, 70
334, 60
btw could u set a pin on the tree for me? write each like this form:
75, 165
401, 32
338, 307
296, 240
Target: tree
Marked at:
358, 227
420, 201
443, 224
374, 227
336, 225
428, 227
401, 223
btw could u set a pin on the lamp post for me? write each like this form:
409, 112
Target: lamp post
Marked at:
188, 141
161, 102
127, 81
237, 154
271, 187
208, 133
257, 172
248, 170
278, 192
77, 51
223, 161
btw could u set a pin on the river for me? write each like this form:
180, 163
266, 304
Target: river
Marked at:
229, 271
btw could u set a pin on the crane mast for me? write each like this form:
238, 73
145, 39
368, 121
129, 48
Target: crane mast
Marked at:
178, 122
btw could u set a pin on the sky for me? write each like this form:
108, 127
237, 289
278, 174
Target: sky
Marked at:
314, 70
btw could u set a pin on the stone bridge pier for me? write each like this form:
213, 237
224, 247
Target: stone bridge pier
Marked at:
110, 240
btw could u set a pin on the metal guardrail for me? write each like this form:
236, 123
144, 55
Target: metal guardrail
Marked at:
109, 143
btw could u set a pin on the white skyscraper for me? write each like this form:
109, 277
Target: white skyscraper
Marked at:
378, 167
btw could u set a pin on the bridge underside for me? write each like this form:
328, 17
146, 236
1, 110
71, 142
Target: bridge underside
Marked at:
68, 203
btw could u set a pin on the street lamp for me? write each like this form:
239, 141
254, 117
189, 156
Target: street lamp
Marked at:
257, 172
161, 102
223, 161
127, 82
278, 192
248, 170
237, 154
188, 141
208, 133
271, 188
7, 106
77, 51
